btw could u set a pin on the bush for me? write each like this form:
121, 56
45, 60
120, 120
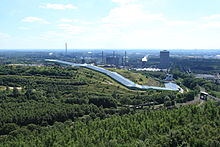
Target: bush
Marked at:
9, 127
33, 127
20, 131
104, 102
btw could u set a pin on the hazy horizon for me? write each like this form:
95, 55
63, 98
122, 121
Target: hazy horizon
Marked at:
107, 49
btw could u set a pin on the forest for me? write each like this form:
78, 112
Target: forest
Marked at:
187, 126
67, 106
197, 65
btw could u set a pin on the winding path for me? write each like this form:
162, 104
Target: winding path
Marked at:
169, 86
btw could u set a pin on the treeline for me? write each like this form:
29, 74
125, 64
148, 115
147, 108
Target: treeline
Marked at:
197, 65
193, 83
186, 126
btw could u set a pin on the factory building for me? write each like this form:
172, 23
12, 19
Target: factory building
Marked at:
113, 61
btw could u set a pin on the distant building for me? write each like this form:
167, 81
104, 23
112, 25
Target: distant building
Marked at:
215, 78
83, 61
164, 59
112, 61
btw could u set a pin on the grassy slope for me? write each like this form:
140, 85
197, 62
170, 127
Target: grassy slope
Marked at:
137, 77
97, 82
61, 90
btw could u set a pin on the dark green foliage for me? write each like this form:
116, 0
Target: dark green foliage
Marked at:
192, 83
186, 126
105, 102
20, 131
197, 65
33, 127
76, 101
15, 92
7, 128
40, 112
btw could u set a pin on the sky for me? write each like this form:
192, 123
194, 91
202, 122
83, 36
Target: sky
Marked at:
110, 24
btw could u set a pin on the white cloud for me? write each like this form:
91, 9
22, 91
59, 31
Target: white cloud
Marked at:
135, 14
210, 22
123, 1
178, 23
71, 29
68, 20
130, 14
215, 24
81, 22
212, 17
58, 6
87, 22
130, 25
4, 35
52, 35
23, 28
35, 19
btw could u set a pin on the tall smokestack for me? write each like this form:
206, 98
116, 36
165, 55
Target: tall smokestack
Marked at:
122, 61
66, 48
102, 57
125, 58
114, 58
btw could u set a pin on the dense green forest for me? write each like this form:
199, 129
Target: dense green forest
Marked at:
66, 106
197, 65
44, 95
187, 126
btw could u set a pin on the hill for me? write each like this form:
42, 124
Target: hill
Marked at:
43, 95
44, 105
138, 77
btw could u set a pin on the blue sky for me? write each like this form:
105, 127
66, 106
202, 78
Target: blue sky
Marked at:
110, 24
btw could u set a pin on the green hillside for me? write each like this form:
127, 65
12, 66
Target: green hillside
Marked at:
186, 126
54, 106
44, 95
137, 77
